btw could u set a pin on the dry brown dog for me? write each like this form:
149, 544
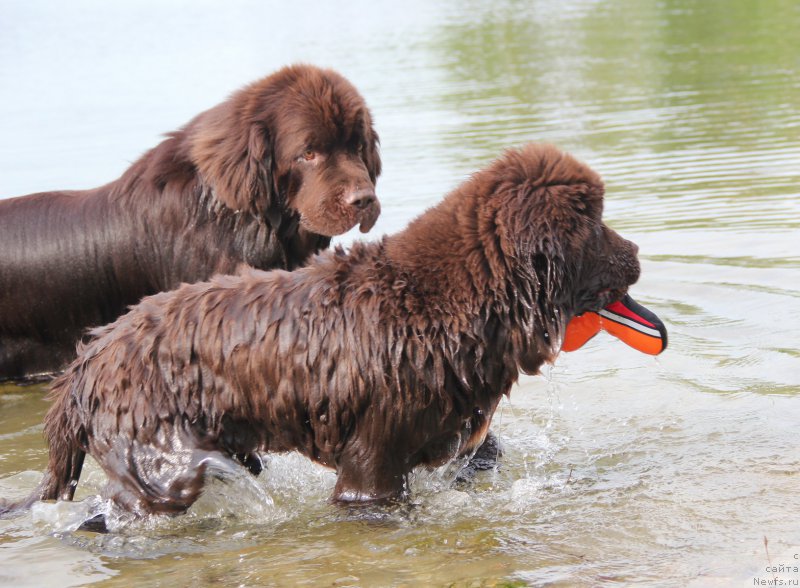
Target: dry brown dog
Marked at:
371, 362
265, 178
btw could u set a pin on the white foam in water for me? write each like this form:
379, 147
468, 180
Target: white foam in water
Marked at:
293, 478
424, 480
450, 499
232, 491
525, 490
65, 516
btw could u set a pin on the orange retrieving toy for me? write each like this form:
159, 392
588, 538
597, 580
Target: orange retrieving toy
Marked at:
627, 320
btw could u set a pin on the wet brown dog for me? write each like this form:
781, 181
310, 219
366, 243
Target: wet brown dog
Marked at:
265, 179
371, 362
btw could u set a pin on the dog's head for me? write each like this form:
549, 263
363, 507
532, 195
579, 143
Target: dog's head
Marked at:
548, 210
299, 140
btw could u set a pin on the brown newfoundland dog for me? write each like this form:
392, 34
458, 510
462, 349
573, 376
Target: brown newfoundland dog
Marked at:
263, 179
371, 362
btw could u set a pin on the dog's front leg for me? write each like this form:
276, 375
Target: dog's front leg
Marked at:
483, 445
370, 478
486, 457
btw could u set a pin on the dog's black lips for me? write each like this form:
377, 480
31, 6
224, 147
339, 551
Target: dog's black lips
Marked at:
594, 302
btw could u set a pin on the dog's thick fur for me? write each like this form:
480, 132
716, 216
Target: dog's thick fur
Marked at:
372, 363
263, 179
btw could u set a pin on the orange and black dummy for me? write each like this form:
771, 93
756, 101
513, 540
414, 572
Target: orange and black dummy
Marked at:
626, 319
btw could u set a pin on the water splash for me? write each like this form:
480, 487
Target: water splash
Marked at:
64, 516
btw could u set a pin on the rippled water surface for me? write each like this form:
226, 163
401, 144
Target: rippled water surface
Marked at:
619, 469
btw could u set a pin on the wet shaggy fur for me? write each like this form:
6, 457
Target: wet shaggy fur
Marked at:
264, 179
371, 362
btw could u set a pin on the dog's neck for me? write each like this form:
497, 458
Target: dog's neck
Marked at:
301, 245
453, 255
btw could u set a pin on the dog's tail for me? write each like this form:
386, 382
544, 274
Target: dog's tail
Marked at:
67, 449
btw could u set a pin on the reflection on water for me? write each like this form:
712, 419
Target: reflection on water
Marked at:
618, 469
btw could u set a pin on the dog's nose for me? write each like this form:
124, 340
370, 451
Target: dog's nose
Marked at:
361, 199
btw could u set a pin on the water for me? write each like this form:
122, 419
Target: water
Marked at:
619, 469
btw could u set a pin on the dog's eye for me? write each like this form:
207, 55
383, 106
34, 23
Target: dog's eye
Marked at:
309, 154
360, 148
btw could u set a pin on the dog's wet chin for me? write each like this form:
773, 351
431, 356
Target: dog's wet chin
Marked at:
536, 353
328, 228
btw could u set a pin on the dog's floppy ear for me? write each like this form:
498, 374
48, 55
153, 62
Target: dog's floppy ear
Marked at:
235, 162
549, 199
